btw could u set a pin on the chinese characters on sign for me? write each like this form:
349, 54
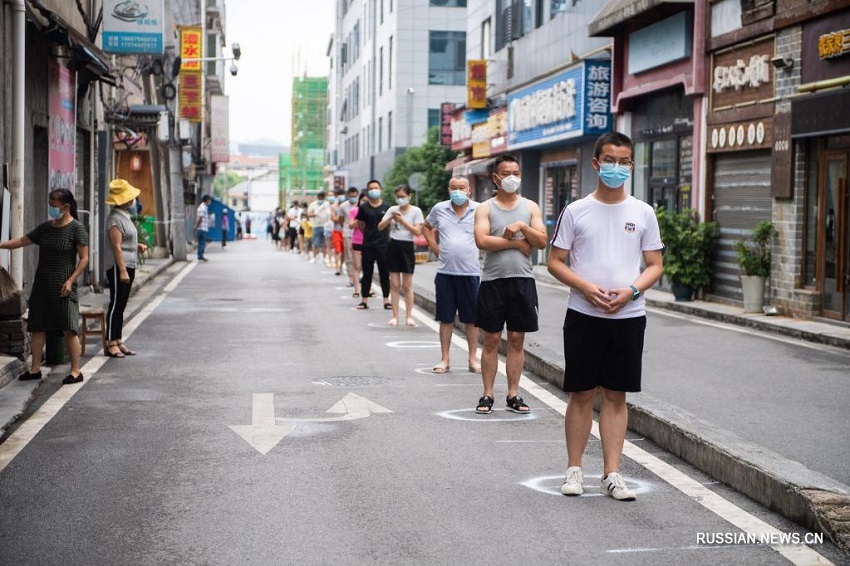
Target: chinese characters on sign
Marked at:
220, 128
834, 44
570, 104
742, 74
597, 98
62, 137
133, 27
476, 83
446, 109
191, 92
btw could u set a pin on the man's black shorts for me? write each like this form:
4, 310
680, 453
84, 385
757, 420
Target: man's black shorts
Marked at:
511, 301
602, 352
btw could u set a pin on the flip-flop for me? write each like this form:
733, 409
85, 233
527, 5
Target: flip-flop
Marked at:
475, 368
362, 306
441, 367
411, 324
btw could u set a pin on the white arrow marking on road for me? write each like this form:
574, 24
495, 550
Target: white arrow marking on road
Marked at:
263, 433
351, 407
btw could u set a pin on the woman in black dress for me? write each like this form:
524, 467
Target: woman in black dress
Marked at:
62, 257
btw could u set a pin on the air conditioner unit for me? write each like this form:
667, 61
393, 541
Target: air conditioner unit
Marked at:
343, 130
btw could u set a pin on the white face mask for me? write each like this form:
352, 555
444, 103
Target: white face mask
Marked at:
402, 201
511, 183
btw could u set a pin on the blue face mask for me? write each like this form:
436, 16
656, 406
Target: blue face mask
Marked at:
374, 194
54, 212
458, 198
614, 176
352, 200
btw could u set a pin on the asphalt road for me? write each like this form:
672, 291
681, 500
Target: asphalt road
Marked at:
149, 462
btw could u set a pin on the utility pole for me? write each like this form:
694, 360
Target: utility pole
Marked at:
177, 220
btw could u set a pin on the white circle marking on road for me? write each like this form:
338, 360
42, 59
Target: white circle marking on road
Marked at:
551, 485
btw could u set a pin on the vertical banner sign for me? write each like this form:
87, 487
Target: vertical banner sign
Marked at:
220, 128
476, 83
191, 91
446, 109
62, 137
133, 27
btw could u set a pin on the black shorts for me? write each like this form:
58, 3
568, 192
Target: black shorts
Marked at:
400, 257
511, 301
602, 352
456, 294
357, 247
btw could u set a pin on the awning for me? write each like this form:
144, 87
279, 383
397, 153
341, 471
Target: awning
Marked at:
609, 21
450, 166
820, 114
87, 56
474, 167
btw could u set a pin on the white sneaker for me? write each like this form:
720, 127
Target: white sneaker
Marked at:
616, 487
573, 483
312, 260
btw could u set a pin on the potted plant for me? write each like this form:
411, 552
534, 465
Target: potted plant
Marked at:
754, 261
688, 245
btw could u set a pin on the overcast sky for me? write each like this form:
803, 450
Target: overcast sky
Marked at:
271, 34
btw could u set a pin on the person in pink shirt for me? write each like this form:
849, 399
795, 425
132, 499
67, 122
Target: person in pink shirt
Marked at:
356, 244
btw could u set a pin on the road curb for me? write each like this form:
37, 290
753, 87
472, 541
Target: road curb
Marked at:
809, 498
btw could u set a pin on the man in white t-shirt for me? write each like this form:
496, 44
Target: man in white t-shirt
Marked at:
605, 236
319, 214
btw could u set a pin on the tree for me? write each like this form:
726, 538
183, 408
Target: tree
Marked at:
223, 182
430, 159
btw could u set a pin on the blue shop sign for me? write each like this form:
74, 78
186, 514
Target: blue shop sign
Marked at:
571, 104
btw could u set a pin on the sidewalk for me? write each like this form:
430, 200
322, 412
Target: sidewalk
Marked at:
808, 497
16, 395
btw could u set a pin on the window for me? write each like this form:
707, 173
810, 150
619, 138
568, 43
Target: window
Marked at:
433, 117
558, 6
380, 134
382, 11
449, 3
389, 129
447, 58
381, 71
486, 33
390, 64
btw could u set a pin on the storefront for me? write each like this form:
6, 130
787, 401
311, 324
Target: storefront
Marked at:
739, 132
552, 123
820, 129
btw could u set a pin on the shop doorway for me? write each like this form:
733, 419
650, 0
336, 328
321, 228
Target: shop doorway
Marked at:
835, 247
560, 188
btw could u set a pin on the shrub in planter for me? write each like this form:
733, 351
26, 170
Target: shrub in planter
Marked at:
688, 245
754, 258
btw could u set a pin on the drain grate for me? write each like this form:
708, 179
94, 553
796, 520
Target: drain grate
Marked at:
354, 380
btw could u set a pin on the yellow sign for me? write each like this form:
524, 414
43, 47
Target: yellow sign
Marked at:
476, 83
191, 43
834, 44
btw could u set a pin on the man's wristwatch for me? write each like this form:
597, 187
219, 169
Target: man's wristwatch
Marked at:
635, 292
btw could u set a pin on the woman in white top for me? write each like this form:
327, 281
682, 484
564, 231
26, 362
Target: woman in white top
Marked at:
405, 221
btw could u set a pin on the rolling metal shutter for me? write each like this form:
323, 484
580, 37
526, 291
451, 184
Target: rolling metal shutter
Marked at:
741, 200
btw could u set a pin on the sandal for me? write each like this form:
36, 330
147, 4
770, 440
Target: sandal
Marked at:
355, 295
388, 306
485, 405
362, 306
125, 350
111, 346
516, 405
474, 367
441, 367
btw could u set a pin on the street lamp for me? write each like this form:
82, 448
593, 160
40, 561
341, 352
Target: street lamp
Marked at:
234, 49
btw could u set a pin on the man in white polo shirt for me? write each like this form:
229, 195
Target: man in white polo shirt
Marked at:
450, 235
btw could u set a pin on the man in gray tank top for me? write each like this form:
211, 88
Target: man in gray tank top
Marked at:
508, 228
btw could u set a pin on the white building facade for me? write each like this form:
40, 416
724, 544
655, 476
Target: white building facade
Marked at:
393, 62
